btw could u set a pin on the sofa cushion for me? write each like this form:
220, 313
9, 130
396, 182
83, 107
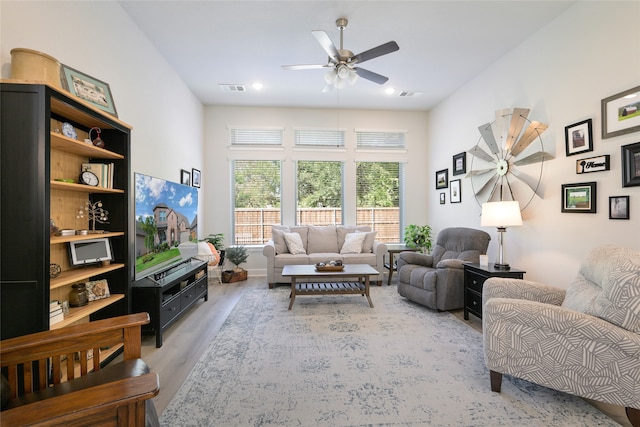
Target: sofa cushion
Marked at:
353, 243
322, 239
343, 230
277, 235
294, 243
608, 287
290, 259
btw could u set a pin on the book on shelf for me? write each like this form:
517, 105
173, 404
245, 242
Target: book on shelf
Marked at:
54, 305
56, 319
54, 313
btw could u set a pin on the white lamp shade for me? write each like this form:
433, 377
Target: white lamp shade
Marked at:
501, 214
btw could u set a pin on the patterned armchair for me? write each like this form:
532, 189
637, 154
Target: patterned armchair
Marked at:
584, 341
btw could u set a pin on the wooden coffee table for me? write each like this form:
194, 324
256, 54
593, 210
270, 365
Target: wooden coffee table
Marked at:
329, 282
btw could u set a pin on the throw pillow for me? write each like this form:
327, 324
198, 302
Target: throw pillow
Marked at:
369, 238
294, 243
322, 239
277, 235
353, 243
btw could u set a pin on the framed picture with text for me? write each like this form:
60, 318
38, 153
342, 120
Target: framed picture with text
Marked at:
89, 89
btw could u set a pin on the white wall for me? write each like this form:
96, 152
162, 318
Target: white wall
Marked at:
99, 39
218, 156
561, 73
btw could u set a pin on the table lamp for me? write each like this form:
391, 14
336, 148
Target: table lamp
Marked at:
501, 215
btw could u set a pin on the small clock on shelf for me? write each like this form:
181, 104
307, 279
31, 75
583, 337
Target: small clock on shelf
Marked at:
89, 178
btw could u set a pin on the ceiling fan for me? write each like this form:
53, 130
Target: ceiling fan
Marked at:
342, 63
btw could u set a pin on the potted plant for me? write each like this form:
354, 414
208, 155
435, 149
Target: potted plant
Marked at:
236, 255
418, 236
217, 240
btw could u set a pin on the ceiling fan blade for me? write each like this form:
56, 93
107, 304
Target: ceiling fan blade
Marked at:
518, 118
326, 43
383, 49
529, 135
304, 67
481, 154
489, 138
370, 75
538, 157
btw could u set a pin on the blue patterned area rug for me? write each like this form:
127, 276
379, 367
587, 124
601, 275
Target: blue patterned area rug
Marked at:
333, 361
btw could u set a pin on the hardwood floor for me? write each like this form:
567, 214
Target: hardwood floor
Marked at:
185, 341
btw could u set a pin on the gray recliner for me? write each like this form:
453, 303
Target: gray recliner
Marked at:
437, 280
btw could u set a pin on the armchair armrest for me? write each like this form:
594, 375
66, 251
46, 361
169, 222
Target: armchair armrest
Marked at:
269, 249
500, 287
416, 258
451, 263
125, 397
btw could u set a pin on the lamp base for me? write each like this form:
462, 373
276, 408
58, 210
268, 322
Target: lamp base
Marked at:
501, 266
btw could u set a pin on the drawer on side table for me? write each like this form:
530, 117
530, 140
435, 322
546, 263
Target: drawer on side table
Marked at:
474, 278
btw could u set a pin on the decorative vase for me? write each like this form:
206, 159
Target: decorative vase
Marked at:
78, 295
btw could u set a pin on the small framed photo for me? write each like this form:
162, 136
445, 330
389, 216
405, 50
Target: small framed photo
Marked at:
631, 165
455, 196
195, 177
89, 89
621, 113
593, 164
185, 177
442, 179
460, 163
578, 137
619, 207
580, 197
443, 198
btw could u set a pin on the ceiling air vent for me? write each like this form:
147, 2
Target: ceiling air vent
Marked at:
407, 93
232, 88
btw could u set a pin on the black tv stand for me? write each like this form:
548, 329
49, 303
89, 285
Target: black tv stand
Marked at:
167, 295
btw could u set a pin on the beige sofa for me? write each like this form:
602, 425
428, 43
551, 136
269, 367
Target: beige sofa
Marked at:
322, 244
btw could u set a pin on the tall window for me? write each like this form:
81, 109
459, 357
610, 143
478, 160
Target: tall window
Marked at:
319, 192
256, 200
378, 191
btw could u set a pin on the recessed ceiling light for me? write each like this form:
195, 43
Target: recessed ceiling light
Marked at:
256, 85
389, 91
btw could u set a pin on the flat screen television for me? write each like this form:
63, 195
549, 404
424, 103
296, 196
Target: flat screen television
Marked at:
90, 251
166, 224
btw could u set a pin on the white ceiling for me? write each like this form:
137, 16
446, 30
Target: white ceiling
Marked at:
443, 44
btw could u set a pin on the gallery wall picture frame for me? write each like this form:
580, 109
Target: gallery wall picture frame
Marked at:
619, 207
442, 179
630, 165
455, 191
578, 137
621, 113
460, 163
593, 164
195, 177
89, 89
185, 177
443, 198
579, 197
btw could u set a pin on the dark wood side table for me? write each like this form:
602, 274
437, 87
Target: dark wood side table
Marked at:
392, 266
474, 278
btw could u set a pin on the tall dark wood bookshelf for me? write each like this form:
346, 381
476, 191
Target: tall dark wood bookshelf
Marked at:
35, 154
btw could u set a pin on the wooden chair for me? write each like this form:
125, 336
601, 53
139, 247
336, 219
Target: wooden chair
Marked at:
55, 381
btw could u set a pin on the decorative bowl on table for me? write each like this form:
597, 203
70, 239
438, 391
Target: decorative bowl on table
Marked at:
330, 266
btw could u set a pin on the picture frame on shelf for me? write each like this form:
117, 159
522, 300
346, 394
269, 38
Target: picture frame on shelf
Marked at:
442, 179
578, 137
579, 197
619, 207
89, 89
97, 289
460, 163
195, 177
443, 198
593, 164
455, 195
185, 177
621, 113
630, 164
